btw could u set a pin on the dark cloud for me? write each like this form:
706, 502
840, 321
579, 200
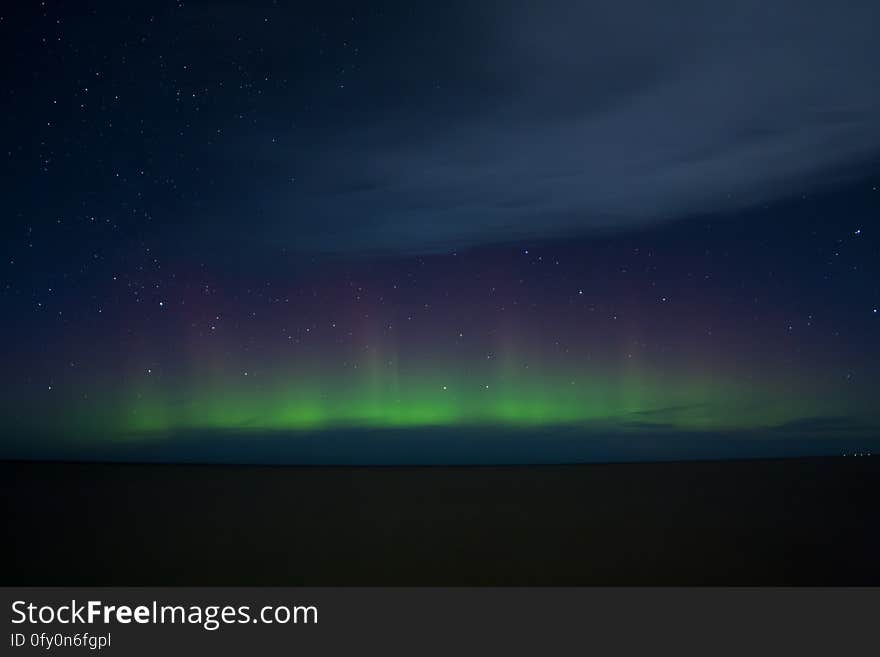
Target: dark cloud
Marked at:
829, 425
414, 128
556, 118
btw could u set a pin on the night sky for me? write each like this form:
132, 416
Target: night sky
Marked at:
440, 232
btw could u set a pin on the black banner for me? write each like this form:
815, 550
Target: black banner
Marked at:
410, 621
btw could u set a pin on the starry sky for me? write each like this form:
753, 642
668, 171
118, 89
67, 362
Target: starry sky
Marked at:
496, 232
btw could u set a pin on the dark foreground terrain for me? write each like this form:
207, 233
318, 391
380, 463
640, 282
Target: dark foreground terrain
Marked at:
810, 521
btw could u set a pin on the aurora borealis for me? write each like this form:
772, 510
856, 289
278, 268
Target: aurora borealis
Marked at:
635, 335
370, 233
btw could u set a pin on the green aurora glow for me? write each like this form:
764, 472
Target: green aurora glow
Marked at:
391, 397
